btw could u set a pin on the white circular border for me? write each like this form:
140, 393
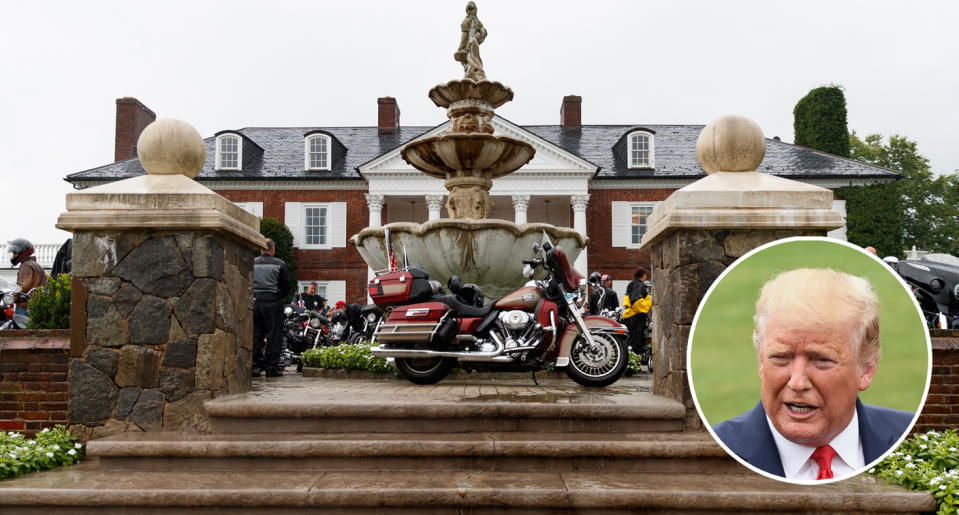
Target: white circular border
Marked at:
692, 334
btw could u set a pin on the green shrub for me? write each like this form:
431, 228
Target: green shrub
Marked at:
927, 461
51, 448
635, 364
346, 357
283, 238
50, 305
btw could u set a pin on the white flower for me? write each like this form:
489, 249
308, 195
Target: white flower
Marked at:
898, 472
923, 446
71, 452
919, 460
46, 429
910, 465
952, 449
933, 481
49, 455
56, 447
77, 445
942, 487
908, 458
924, 438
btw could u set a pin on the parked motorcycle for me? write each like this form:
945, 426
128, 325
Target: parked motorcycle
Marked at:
303, 329
9, 319
354, 323
429, 332
934, 280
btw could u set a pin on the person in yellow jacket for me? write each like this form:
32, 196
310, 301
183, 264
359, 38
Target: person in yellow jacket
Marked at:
636, 304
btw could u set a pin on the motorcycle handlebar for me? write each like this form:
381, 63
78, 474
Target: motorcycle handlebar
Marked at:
533, 262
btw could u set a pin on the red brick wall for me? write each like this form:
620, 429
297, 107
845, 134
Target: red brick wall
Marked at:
619, 262
33, 380
941, 410
341, 264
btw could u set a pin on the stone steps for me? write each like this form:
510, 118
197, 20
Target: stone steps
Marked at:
86, 489
509, 452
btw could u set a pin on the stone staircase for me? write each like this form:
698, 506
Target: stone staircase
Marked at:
349, 446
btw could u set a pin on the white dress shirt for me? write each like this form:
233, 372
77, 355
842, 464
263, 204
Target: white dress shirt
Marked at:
797, 459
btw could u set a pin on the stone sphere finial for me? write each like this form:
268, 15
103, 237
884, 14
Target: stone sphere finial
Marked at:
169, 146
731, 143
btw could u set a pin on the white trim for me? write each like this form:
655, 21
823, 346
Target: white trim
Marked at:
306, 152
651, 144
239, 151
254, 208
306, 184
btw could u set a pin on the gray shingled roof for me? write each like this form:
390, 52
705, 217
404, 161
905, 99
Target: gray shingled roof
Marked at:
675, 154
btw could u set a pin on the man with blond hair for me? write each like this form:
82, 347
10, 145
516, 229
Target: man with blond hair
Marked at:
816, 334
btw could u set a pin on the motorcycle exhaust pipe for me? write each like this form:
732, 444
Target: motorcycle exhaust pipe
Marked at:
493, 356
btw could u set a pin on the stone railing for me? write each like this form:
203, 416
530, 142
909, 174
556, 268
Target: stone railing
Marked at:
44, 252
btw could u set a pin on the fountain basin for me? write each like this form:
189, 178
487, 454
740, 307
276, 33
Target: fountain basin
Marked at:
495, 93
488, 253
472, 154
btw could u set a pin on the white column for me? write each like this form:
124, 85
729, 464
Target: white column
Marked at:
434, 203
520, 205
579, 203
375, 202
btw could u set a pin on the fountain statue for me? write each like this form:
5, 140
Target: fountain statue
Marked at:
487, 252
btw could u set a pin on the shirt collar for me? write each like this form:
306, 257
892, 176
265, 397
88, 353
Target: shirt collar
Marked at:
794, 456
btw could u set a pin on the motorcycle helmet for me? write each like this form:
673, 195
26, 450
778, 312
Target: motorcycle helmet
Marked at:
19, 249
604, 278
594, 278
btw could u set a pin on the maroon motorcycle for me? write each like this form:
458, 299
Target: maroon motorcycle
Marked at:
429, 331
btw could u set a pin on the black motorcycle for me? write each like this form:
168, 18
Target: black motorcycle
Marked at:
354, 323
934, 280
303, 329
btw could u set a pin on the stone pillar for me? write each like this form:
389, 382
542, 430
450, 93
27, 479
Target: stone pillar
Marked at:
434, 203
702, 228
520, 206
375, 203
579, 203
162, 306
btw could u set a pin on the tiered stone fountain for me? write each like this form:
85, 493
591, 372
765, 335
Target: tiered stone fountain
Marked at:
487, 252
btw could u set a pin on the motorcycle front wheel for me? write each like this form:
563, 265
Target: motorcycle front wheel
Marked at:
424, 370
599, 366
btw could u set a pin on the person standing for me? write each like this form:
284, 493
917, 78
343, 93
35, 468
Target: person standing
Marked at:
636, 304
310, 299
271, 283
31, 274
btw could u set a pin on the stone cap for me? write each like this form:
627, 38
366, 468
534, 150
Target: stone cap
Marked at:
743, 200
158, 202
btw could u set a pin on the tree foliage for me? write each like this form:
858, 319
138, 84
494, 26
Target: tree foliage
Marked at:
926, 205
819, 121
283, 238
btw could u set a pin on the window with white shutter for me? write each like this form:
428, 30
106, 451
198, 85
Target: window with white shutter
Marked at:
629, 222
317, 225
255, 208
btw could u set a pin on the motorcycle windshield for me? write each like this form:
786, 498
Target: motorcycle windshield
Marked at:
570, 276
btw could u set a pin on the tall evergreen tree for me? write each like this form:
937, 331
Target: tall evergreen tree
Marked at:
819, 121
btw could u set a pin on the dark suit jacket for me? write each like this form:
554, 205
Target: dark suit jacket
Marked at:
748, 435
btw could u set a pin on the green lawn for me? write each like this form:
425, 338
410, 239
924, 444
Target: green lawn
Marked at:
722, 360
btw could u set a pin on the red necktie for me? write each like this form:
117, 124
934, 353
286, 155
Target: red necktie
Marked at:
823, 456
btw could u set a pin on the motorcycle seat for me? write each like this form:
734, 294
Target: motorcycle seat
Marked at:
464, 309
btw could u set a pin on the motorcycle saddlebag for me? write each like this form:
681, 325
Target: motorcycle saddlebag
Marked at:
400, 286
431, 322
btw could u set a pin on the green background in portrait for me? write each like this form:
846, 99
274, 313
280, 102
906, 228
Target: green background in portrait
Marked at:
722, 360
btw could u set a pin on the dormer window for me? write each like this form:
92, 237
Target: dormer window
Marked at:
229, 152
641, 150
317, 152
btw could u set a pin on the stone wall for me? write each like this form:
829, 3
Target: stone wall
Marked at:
941, 410
33, 379
155, 318
685, 264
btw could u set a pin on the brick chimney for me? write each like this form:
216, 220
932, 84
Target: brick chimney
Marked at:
570, 114
389, 114
132, 118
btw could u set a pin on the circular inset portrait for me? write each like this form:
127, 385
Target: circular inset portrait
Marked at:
809, 360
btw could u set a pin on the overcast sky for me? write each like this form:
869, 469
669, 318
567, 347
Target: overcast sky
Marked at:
229, 65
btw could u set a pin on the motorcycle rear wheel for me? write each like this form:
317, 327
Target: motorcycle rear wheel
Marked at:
424, 370
599, 367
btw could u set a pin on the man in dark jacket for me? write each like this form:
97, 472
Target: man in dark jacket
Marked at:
271, 283
603, 296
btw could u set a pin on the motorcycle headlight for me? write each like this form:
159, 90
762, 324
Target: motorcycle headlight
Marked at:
287, 311
7, 300
315, 323
371, 317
